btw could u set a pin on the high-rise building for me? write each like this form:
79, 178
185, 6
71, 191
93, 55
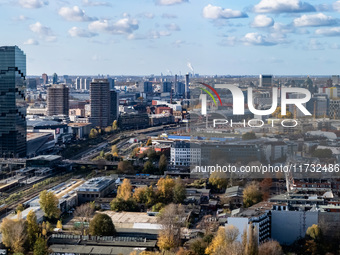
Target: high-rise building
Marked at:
12, 102
100, 102
180, 88
44, 78
147, 87
78, 84
266, 80
166, 87
58, 100
55, 78
336, 79
187, 86
114, 105
32, 83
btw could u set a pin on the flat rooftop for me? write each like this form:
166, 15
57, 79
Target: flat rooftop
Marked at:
46, 157
131, 217
78, 124
96, 184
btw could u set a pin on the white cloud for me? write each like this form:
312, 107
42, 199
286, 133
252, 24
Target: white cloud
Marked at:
229, 41
169, 16
95, 3
315, 20
334, 31
336, 6
216, 12
31, 42
125, 25
172, 27
170, 2
74, 14
21, 18
260, 40
315, 45
178, 43
43, 32
80, 32
278, 6
158, 34
32, 4
146, 15
262, 21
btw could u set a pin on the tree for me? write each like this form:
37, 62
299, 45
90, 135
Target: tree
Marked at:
270, 248
157, 207
249, 136
149, 142
84, 212
19, 208
251, 247
125, 190
49, 204
14, 234
314, 232
198, 246
59, 225
322, 153
219, 180
32, 227
114, 125
93, 133
40, 247
125, 167
119, 204
148, 167
179, 191
114, 149
171, 219
224, 239
265, 186
163, 164
108, 129
252, 194
102, 154
140, 195
166, 189
102, 225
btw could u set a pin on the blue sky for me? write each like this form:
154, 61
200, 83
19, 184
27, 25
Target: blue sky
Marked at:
142, 37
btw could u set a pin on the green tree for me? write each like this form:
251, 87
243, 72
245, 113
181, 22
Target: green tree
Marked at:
252, 194
249, 136
32, 228
40, 247
93, 133
102, 154
163, 164
148, 167
119, 204
114, 125
49, 204
322, 153
179, 191
19, 208
102, 225
157, 207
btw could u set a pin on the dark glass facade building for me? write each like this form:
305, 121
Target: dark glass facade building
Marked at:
12, 102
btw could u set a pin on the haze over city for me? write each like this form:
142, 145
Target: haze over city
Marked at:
172, 36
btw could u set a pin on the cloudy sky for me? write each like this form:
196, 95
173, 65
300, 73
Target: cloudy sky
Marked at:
142, 37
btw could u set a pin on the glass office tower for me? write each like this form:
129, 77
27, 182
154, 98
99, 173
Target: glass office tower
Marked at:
12, 102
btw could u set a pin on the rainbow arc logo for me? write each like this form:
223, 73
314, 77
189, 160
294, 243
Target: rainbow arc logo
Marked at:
209, 93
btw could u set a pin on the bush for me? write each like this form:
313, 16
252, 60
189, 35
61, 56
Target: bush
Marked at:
102, 225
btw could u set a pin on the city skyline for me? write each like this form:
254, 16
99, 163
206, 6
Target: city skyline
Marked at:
174, 36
